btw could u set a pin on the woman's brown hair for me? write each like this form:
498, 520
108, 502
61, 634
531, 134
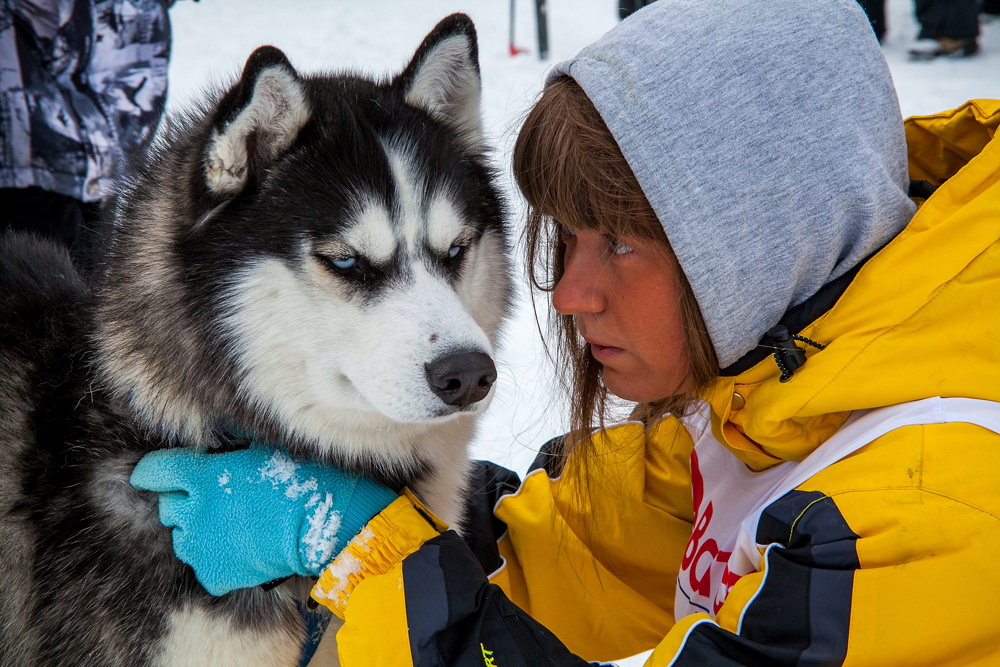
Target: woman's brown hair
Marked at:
572, 173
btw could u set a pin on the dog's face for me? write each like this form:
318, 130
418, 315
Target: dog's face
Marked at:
387, 300
389, 306
347, 246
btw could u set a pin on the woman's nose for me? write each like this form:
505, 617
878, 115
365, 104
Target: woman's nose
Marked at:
578, 290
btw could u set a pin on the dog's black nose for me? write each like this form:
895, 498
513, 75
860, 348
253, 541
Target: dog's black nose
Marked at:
461, 378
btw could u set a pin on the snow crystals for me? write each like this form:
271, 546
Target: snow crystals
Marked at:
224, 481
280, 469
320, 540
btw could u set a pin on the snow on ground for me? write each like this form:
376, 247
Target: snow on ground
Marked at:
213, 38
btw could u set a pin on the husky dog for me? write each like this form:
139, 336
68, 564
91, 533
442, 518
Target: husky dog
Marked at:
318, 260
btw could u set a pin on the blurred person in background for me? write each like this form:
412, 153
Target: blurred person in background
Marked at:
82, 84
952, 24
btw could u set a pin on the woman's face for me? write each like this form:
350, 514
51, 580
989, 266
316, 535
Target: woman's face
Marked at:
625, 297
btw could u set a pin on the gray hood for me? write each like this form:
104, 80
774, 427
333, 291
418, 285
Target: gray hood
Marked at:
768, 139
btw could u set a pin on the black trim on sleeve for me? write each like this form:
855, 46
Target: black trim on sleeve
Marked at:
457, 619
802, 613
488, 482
812, 528
482, 529
551, 457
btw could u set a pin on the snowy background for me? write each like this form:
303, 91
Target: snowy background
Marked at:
212, 39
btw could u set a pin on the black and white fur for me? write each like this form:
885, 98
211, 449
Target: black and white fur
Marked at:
319, 260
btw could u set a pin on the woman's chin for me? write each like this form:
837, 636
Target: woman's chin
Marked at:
639, 387
628, 389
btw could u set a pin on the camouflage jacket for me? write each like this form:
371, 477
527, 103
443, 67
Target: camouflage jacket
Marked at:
81, 84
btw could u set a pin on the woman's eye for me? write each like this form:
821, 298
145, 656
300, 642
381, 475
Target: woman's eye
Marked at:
345, 263
618, 247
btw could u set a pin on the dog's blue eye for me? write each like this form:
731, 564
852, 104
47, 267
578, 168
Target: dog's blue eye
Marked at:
354, 269
454, 251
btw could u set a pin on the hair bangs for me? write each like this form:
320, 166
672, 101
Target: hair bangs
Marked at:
572, 173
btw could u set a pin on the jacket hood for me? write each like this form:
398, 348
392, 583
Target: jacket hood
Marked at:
768, 139
921, 318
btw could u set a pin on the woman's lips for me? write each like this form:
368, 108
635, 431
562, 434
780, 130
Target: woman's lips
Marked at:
604, 352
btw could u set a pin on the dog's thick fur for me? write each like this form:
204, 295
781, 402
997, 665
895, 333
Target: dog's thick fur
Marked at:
298, 258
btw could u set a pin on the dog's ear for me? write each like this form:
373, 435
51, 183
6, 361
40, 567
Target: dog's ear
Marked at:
443, 77
255, 122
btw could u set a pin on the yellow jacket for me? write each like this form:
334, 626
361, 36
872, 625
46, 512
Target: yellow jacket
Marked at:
886, 557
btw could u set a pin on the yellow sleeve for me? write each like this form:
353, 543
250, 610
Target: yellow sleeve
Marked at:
369, 574
390, 536
594, 558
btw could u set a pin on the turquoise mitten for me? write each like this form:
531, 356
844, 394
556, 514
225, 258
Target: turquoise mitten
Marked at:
245, 518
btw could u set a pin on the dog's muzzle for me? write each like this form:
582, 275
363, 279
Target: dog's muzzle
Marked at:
461, 378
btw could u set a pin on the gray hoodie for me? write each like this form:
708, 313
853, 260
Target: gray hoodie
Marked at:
766, 135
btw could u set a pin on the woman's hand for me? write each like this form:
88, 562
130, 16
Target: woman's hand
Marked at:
245, 518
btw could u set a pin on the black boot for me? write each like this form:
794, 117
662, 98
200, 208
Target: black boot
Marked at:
947, 48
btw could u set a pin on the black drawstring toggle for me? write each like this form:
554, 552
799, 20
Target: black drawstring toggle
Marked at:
787, 355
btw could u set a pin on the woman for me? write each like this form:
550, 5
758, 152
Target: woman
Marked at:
719, 204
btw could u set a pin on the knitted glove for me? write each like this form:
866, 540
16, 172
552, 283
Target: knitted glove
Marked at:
245, 518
